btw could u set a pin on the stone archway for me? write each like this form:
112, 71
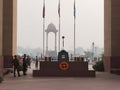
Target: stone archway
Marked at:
8, 29
51, 28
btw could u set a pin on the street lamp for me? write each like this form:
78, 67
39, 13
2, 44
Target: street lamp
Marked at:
93, 51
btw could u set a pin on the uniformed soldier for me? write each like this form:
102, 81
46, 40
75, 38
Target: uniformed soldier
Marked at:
15, 63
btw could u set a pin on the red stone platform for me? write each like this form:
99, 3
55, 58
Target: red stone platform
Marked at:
75, 69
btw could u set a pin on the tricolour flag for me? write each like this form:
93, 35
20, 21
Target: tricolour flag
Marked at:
44, 11
59, 8
74, 9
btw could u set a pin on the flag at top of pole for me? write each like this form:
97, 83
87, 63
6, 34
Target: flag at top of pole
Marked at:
59, 8
44, 9
74, 9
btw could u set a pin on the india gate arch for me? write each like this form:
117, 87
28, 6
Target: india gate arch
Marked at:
51, 28
8, 35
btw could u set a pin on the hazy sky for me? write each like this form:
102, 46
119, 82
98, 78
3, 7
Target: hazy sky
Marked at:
89, 22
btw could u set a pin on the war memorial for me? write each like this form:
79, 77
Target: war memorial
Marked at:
8, 40
62, 66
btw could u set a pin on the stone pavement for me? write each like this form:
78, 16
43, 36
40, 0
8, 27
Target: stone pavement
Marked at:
102, 81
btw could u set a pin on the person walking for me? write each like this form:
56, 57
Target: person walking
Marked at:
15, 63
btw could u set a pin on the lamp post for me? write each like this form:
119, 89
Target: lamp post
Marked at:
93, 51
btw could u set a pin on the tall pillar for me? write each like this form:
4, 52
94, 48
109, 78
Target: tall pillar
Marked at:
8, 32
1, 19
112, 35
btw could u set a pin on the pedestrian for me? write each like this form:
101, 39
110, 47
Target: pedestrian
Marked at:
29, 61
36, 62
15, 63
25, 65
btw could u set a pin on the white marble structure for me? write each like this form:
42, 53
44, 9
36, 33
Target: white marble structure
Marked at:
51, 28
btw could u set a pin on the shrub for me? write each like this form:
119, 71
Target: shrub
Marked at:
99, 66
1, 79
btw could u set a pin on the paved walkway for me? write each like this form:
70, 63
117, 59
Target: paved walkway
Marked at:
102, 81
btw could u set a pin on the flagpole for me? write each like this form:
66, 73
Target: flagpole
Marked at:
74, 30
59, 26
59, 33
43, 37
43, 28
74, 36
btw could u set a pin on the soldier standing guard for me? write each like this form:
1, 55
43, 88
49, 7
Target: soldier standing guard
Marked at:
15, 63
